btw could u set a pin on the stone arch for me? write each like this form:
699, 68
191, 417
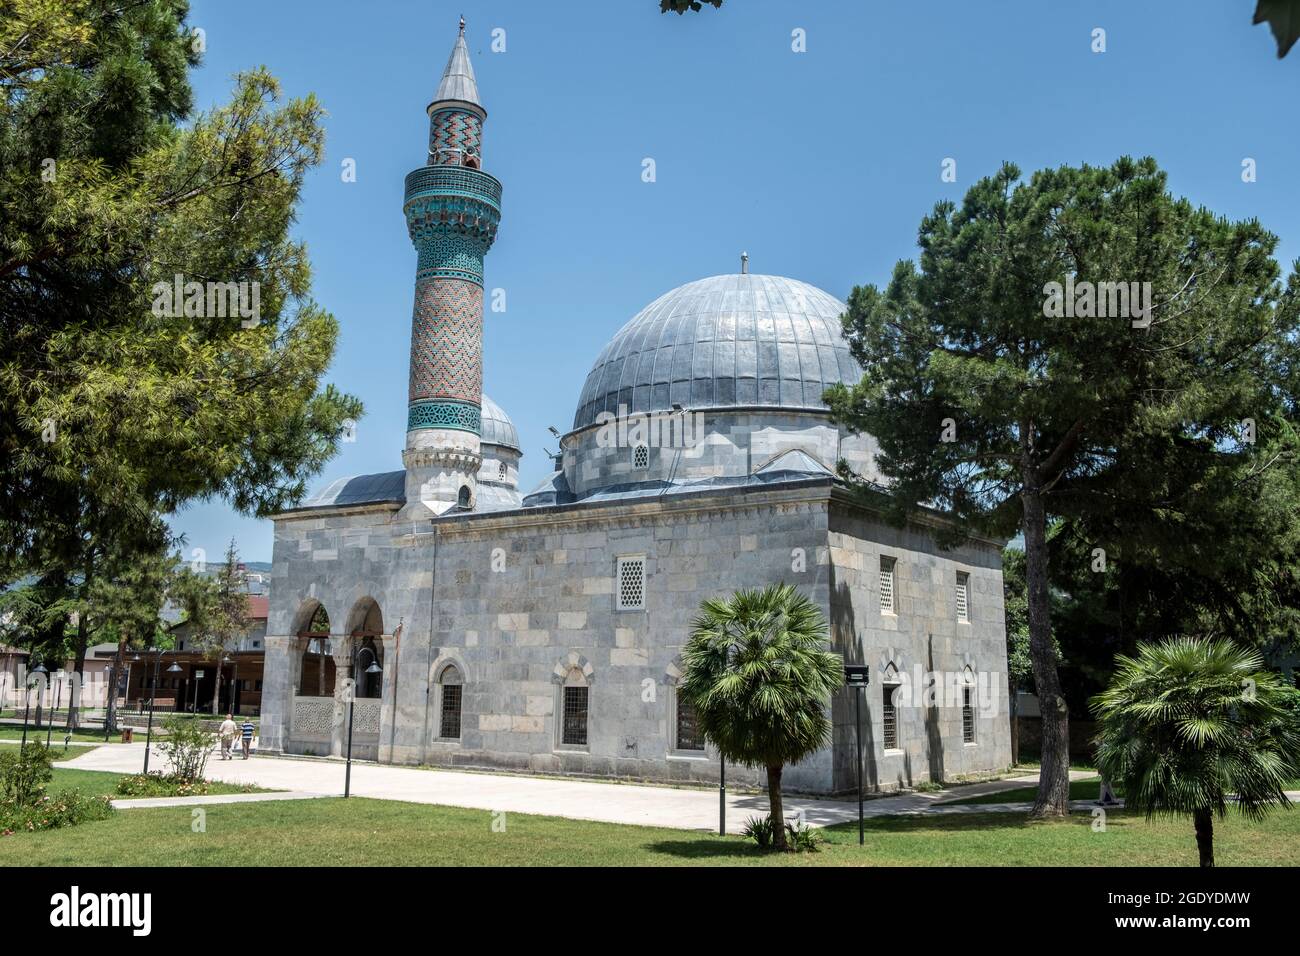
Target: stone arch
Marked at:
449, 692
316, 670
366, 618
571, 667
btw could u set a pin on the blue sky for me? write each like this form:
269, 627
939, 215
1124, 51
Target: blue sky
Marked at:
820, 164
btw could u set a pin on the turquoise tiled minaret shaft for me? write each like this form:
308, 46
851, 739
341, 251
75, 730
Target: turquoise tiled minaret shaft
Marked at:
452, 210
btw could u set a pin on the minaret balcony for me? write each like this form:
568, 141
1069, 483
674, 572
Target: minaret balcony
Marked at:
454, 181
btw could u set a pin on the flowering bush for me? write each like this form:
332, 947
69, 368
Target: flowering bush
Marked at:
65, 809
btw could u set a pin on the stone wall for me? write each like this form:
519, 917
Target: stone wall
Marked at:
730, 443
517, 600
924, 632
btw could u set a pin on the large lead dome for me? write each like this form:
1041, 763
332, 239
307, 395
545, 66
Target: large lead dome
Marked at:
726, 341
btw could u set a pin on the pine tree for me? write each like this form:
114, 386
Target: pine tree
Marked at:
1010, 385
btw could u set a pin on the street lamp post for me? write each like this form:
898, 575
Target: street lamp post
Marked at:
49, 724
153, 695
374, 668
39, 671
108, 700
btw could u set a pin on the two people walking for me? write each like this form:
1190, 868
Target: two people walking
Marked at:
229, 731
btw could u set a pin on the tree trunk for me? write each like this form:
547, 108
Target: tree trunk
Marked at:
1054, 776
78, 668
216, 689
1204, 821
778, 814
110, 702
1013, 707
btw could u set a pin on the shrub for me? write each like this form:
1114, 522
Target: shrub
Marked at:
65, 809
24, 774
164, 785
800, 837
759, 829
187, 748
803, 838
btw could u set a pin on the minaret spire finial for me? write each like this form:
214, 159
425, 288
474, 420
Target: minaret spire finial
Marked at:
462, 24
744, 263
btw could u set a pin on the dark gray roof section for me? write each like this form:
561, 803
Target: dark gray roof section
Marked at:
794, 460
554, 490
493, 497
390, 486
726, 341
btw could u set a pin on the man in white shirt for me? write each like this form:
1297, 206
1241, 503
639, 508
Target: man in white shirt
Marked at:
228, 731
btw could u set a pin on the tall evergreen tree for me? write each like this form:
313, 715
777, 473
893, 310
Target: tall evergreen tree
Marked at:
118, 399
1010, 385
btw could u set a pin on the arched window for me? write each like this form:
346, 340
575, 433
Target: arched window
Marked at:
462, 499
450, 689
968, 707
574, 701
316, 676
502, 471
640, 456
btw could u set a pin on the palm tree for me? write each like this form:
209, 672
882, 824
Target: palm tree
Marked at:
1189, 723
759, 678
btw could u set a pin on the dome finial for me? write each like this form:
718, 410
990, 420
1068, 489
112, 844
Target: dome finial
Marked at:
462, 24
744, 263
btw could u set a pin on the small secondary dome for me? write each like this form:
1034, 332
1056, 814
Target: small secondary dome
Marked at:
498, 429
726, 341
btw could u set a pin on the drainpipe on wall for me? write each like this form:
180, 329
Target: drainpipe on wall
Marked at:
397, 672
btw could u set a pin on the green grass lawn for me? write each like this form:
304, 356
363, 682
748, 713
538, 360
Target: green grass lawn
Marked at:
10, 732
362, 831
1079, 790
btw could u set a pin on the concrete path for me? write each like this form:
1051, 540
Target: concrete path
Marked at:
145, 803
684, 809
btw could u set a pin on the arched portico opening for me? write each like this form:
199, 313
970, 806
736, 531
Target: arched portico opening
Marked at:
366, 631
316, 675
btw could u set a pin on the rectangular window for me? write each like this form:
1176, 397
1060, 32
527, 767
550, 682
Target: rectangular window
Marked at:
967, 717
688, 729
963, 596
631, 583
574, 731
449, 725
889, 719
887, 585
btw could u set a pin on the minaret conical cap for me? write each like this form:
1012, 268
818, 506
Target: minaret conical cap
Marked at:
458, 78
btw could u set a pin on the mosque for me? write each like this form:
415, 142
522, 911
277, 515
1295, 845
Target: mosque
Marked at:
542, 632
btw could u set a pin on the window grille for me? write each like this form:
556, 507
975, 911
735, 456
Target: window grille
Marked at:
887, 585
574, 732
449, 725
640, 456
963, 596
688, 728
967, 717
889, 720
631, 584
501, 470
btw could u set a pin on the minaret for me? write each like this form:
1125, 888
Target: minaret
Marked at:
452, 209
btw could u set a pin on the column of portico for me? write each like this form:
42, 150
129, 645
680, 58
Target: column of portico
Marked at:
341, 649
279, 684
388, 698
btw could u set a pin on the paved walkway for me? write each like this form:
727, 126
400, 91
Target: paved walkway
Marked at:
685, 809
145, 803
